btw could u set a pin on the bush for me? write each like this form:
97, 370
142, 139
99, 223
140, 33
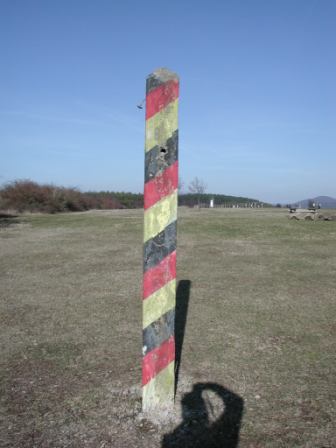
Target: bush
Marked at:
26, 195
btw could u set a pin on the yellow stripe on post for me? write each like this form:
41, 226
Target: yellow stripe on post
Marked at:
160, 215
161, 126
160, 387
159, 303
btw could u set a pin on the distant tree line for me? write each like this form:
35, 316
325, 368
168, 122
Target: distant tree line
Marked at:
193, 199
114, 199
197, 196
26, 195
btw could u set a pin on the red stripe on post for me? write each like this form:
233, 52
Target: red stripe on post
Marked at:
158, 276
161, 186
160, 97
157, 360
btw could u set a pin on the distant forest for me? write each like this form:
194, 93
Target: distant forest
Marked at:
26, 195
203, 199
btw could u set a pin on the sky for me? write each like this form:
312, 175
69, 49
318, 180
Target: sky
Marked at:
257, 114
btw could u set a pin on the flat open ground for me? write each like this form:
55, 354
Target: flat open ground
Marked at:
260, 324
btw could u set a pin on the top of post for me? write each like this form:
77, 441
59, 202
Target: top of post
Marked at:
158, 77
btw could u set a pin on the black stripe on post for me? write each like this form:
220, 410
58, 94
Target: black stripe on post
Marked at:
161, 76
159, 331
158, 159
157, 248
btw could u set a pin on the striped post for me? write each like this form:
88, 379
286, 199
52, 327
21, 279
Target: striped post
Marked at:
160, 204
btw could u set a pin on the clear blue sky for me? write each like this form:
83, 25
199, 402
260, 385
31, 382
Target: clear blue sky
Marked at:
257, 98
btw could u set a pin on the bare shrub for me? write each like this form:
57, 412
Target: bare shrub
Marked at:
26, 195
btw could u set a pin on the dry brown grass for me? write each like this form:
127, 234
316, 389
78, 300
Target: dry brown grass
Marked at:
260, 322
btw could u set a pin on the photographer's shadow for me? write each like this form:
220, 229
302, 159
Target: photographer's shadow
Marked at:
200, 427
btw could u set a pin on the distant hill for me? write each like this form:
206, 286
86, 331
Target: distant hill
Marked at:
325, 201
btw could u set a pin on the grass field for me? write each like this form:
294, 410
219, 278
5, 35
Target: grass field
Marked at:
260, 325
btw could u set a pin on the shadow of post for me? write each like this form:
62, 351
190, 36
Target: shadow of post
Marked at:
181, 311
198, 428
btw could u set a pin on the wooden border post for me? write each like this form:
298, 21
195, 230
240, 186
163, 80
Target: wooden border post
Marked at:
160, 215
